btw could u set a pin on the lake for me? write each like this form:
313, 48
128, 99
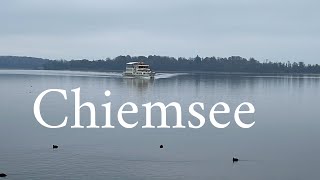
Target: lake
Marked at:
282, 144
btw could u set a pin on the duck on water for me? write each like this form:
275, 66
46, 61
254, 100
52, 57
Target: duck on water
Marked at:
234, 159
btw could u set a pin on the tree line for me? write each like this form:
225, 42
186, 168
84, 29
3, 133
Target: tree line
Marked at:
18, 62
163, 63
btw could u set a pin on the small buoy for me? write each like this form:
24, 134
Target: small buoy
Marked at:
55, 146
235, 159
3, 175
161, 146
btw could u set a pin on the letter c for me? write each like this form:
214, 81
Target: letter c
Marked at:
36, 108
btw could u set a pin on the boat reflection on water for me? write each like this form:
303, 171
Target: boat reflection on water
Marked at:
139, 83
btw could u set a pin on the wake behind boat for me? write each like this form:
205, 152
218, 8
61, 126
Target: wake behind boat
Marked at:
138, 70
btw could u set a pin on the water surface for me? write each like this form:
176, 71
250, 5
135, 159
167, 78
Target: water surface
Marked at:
283, 143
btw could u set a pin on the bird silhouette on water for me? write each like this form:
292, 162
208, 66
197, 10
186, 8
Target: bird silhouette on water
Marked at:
3, 175
55, 146
235, 159
161, 146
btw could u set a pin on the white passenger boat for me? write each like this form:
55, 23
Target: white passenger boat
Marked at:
138, 70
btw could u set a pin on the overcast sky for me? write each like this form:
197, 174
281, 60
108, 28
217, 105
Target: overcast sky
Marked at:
278, 30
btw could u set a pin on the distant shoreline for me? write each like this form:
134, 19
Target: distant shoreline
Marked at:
189, 72
216, 65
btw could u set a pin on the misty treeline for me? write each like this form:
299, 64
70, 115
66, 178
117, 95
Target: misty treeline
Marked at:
164, 63
17, 62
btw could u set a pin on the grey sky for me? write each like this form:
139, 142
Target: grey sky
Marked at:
278, 30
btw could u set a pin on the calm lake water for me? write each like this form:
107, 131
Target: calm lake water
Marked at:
283, 143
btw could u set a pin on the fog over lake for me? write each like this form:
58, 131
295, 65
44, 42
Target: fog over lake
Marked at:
282, 144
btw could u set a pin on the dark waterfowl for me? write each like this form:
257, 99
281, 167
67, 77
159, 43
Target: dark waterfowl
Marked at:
3, 175
235, 159
161, 146
55, 146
